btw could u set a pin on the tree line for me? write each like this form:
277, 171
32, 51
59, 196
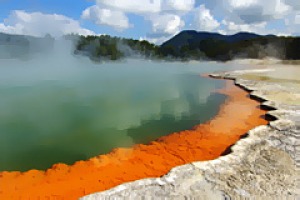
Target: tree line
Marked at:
185, 46
114, 48
105, 47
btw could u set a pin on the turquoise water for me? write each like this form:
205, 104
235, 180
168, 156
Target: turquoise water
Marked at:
65, 110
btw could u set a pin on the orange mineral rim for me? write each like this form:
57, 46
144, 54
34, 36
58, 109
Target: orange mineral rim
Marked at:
204, 142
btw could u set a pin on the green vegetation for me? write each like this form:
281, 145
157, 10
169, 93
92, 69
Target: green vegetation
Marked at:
186, 45
285, 48
193, 45
105, 47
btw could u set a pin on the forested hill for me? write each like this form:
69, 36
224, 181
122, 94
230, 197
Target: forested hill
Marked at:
194, 45
190, 36
214, 46
184, 46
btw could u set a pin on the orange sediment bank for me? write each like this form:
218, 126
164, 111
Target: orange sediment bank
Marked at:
204, 142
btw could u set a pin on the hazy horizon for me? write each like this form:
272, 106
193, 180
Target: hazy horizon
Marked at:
152, 20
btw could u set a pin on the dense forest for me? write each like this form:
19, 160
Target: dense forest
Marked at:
105, 47
213, 46
193, 45
184, 46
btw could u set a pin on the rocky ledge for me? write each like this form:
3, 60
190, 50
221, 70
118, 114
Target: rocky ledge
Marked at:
263, 165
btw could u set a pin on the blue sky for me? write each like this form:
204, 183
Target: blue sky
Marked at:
154, 20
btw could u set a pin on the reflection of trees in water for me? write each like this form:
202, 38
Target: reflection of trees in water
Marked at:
152, 129
51, 124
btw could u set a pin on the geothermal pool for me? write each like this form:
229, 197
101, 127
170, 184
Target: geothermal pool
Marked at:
66, 109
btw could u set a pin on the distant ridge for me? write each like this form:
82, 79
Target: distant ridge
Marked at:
189, 37
190, 44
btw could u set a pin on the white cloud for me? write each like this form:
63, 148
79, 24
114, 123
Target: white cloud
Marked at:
157, 40
295, 4
241, 3
271, 7
262, 17
204, 20
255, 11
178, 5
165, 15
148, 6
297, 19
105, 16
232, 27
259, 28
138, 6
292, 22
168, 24
39, 24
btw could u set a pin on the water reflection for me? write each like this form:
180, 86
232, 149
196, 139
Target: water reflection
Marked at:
65, 118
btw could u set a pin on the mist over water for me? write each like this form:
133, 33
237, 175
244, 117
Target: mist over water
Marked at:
62, 108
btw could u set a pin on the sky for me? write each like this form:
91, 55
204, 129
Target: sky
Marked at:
153, 20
